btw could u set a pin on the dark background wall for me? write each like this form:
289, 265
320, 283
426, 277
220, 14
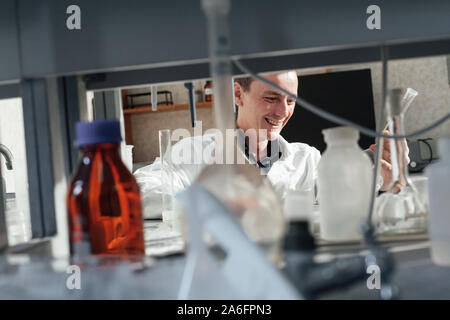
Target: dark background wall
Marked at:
347, 94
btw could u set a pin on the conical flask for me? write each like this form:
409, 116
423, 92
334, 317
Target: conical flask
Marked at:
402, 209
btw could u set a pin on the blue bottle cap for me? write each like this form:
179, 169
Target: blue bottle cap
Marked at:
97, 132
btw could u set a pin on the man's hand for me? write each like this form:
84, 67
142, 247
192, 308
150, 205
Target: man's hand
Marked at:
386, 163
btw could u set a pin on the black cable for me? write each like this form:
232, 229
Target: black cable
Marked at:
337, 119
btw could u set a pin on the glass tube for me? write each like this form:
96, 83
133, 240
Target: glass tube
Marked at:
165, 148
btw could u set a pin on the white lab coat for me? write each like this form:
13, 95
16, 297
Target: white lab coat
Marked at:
295, 170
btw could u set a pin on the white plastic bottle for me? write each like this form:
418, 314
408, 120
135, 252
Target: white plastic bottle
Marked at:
439, 201
345, 177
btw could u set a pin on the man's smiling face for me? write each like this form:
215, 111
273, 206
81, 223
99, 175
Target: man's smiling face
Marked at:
262, 107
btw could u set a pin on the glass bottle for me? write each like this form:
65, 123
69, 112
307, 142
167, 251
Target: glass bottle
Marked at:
344, 183
208, 91
103, 200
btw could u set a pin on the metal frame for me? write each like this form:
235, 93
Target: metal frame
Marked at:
108, 105
105, 106
9, 91
69, 114
39, 157
332, 56
261, 28
9, 42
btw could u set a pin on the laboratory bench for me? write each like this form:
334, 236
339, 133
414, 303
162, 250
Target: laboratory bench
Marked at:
160, 275
32, 275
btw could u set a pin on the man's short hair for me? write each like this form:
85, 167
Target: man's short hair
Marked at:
245, 82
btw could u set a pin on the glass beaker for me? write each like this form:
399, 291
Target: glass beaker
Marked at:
165, 151
402, 209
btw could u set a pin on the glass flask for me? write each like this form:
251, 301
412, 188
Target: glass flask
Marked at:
103, 200
402, 209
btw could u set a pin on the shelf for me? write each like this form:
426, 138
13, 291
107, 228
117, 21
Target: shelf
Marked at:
166, 108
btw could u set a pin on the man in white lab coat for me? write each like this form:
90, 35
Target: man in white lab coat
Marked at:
288, 166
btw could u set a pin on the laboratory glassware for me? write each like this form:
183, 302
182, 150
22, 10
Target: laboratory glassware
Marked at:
402, 209
407, 99
208, 91
344, 184
103, 200
170, 216
237, 184
439, 201
127, 156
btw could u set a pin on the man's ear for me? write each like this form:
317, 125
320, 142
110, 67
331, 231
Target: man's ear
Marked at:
238, 91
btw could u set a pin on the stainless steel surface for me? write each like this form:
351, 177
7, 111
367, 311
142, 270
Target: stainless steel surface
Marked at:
9, 42
32, 277
38, 145
39, 44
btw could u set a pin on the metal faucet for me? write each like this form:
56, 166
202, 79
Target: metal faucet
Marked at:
8, 156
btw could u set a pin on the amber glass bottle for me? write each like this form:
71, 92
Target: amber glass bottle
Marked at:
103, 200
208, 91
